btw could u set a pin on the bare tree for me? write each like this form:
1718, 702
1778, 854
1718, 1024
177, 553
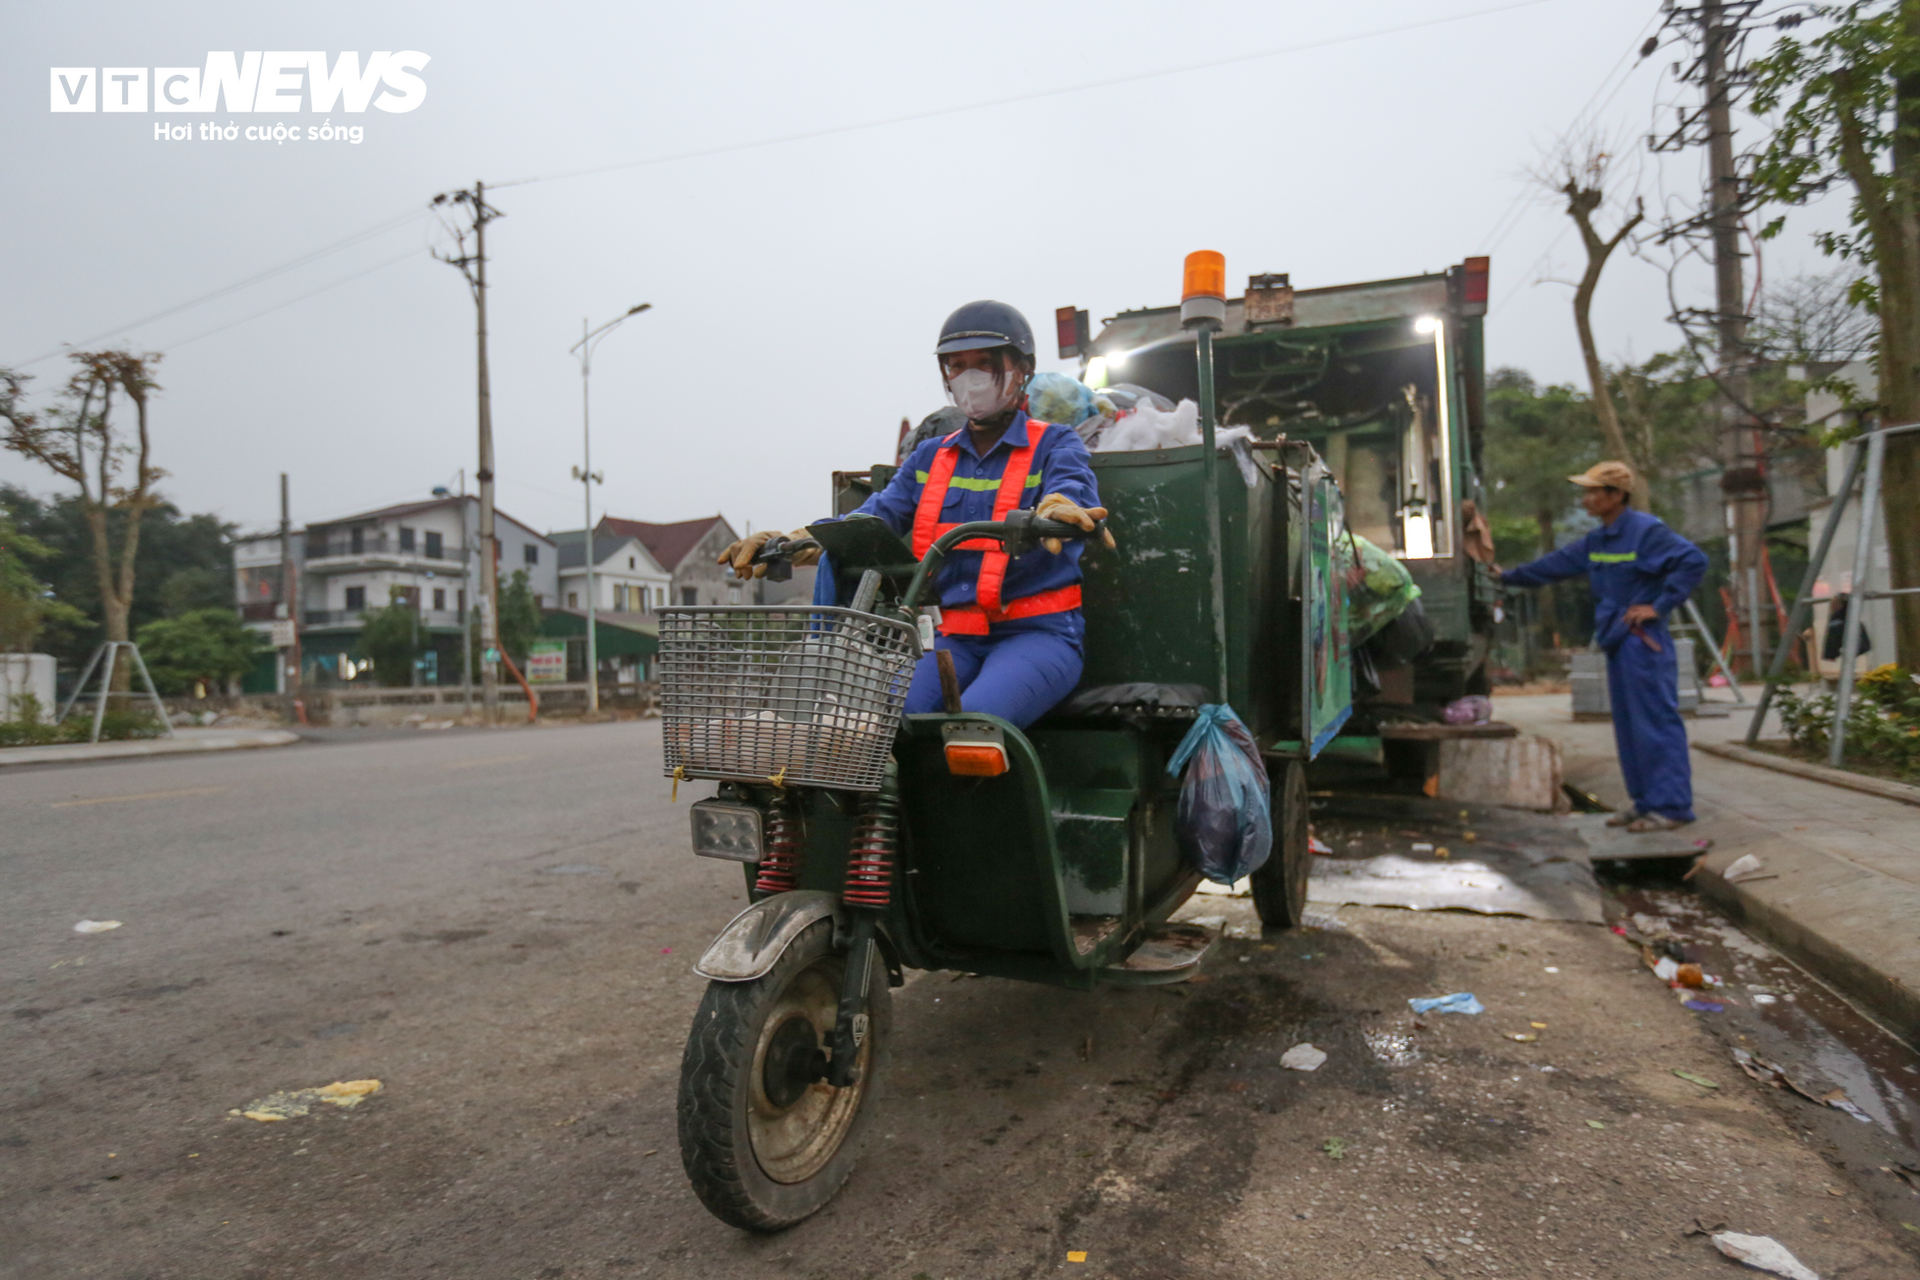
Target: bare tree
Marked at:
1813, 319
78, 440
1580, 169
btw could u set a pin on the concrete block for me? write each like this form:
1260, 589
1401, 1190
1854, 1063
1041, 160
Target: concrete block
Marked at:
1517, 773
27, 673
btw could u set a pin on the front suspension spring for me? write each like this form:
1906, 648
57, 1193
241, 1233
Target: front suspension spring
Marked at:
870, 861
780, 860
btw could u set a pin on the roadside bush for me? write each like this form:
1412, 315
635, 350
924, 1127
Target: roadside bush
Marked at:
28, 728
1883, 724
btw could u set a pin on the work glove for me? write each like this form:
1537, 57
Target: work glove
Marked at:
739, 555
1057, 506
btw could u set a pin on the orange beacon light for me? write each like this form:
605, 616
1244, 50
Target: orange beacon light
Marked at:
1203, 290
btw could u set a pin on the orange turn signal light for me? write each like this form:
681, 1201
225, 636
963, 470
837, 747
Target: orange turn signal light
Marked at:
1206, 275
976, 759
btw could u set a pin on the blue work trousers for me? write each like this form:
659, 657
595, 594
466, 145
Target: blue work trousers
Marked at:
1643, 687
1018, 677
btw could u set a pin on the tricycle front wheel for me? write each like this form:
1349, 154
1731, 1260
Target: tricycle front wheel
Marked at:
765, 1143
1280, 885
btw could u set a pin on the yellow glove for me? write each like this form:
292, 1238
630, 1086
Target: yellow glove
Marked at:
1057, 506
739, 555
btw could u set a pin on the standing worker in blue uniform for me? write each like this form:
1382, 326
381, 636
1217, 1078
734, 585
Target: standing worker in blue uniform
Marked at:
1640, 571
1014, 627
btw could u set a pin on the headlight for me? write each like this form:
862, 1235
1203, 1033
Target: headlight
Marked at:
725, 830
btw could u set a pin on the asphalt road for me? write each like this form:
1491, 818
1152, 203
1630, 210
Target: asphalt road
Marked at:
499, 927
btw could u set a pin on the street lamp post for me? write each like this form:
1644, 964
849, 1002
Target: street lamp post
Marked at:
589, 339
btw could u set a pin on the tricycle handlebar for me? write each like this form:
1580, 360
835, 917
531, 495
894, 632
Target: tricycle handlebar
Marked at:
1019, 533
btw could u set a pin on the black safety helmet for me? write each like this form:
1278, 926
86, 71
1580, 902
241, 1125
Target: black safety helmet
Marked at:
979, 325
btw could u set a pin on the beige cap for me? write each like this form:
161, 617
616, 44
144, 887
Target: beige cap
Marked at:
1606, 475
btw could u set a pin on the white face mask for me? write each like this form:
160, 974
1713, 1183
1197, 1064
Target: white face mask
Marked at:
980, 395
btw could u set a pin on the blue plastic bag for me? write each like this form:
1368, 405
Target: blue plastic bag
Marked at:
1225, 818
1458, 1002
1057, 397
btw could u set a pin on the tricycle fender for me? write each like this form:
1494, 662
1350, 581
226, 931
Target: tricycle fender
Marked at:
754, 940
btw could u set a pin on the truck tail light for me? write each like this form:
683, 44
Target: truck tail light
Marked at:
1073, 329
1473, 286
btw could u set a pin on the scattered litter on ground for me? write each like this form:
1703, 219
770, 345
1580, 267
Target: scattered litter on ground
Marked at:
1494, 881
1763, 1253
95, 926
1442, 852
1839, 1101
1763, 997
1421, 846
1692, 1078
1666, 969
1316, 845
1076, 1255
1744, 867
1704, 1006
1541, 1025
1596, 1124
1524, 1037
1458, 1002
1553, 968
1774, 1074
298, 1102
1303, 1057
1335, 1147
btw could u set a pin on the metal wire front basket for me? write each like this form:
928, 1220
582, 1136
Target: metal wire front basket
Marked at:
806, 695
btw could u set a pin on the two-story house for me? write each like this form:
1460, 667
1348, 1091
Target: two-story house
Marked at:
349, 566
689, 551
626, 577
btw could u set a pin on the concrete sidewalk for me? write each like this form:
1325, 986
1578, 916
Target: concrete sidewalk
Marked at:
183, 740
1841, 891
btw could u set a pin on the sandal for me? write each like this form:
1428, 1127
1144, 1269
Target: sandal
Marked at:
1653, 822
1624, 817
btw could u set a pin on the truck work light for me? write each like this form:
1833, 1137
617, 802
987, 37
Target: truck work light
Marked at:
725, 830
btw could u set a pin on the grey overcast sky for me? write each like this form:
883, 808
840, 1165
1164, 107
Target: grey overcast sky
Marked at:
796, 286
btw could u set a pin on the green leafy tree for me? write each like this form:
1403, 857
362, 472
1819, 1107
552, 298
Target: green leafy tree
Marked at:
194, 588
26, 605
392, 639
204, 646
519, 618
170, 544
1536, 437
1845, 104
79, 440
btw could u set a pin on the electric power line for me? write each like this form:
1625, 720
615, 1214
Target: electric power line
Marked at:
1034, 96
379, 266
358, 237
935, 113
1502, 227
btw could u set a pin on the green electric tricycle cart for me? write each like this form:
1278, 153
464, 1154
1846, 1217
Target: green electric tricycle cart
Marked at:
876, 842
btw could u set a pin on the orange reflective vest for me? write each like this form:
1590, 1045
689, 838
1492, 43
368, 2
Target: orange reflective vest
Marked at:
974, 619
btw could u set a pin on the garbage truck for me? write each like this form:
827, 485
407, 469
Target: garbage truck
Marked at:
1386, 381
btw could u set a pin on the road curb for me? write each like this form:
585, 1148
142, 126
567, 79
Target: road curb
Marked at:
1813, 772
1855, 928
183, 742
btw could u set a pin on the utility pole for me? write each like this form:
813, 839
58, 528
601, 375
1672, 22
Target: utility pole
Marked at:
1743, 481
589, 478
290, 602
1719, 28
474, 267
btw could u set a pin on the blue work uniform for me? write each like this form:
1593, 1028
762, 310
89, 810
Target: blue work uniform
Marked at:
1636, 560
1023, 666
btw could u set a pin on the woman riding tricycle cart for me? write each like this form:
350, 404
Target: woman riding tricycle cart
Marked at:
896, 810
